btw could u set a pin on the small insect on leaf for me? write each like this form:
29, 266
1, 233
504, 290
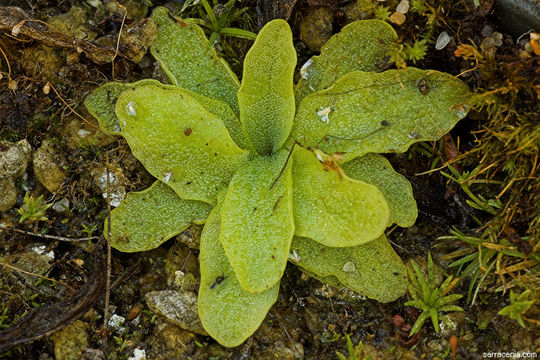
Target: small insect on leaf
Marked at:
218, 281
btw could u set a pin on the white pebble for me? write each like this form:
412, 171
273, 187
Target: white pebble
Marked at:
116, 321
442, 40
403, 7
61, 205
138, 354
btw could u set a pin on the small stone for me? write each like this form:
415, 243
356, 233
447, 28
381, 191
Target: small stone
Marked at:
61, 205
138, 354
497, 37
116, 322
177, 307
435, 346
9, 194
47, 167
524, 55
487, 31
398, 18
442, 40
42, 250
14, 158
94, 3
33, 260
71, 341
80, 134
316, 27
117, 183
403, 7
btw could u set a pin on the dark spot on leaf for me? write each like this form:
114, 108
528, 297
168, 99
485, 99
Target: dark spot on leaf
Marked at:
396, 273
323, 250
255, 208
187, 131
423, 86
273, 257
122, 239
215, 153
188, 183
277, 203
218, 281
384, 123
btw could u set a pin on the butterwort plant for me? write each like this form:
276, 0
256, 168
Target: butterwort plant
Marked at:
277, 172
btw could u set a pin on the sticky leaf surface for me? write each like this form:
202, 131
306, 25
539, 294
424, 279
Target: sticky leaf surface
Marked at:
266, 96
190, 61
228, 313
380, 112
102, 101
333, 209
257, 221
376, 170
372, 269
178, 141
361, 45
146, 219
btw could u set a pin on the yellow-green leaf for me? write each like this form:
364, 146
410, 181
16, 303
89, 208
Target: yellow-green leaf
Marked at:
178, 141
146, 219
361, 45
333, 209
376, 170
372, 269
380, 112
266, 96
190, 61
257, 221
228, 313
101, 103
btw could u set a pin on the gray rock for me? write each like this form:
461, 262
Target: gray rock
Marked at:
316, 27
518, 16
71, 341
13, 162
14, 158
9, 194
177, 307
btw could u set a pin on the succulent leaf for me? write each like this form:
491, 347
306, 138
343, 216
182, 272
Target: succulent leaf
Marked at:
371, 269
380, 112
333, 209
374, 169
228, 313
266, 97
257, 221
345, 53
190, 61
101, 103
148, 218
178, 141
